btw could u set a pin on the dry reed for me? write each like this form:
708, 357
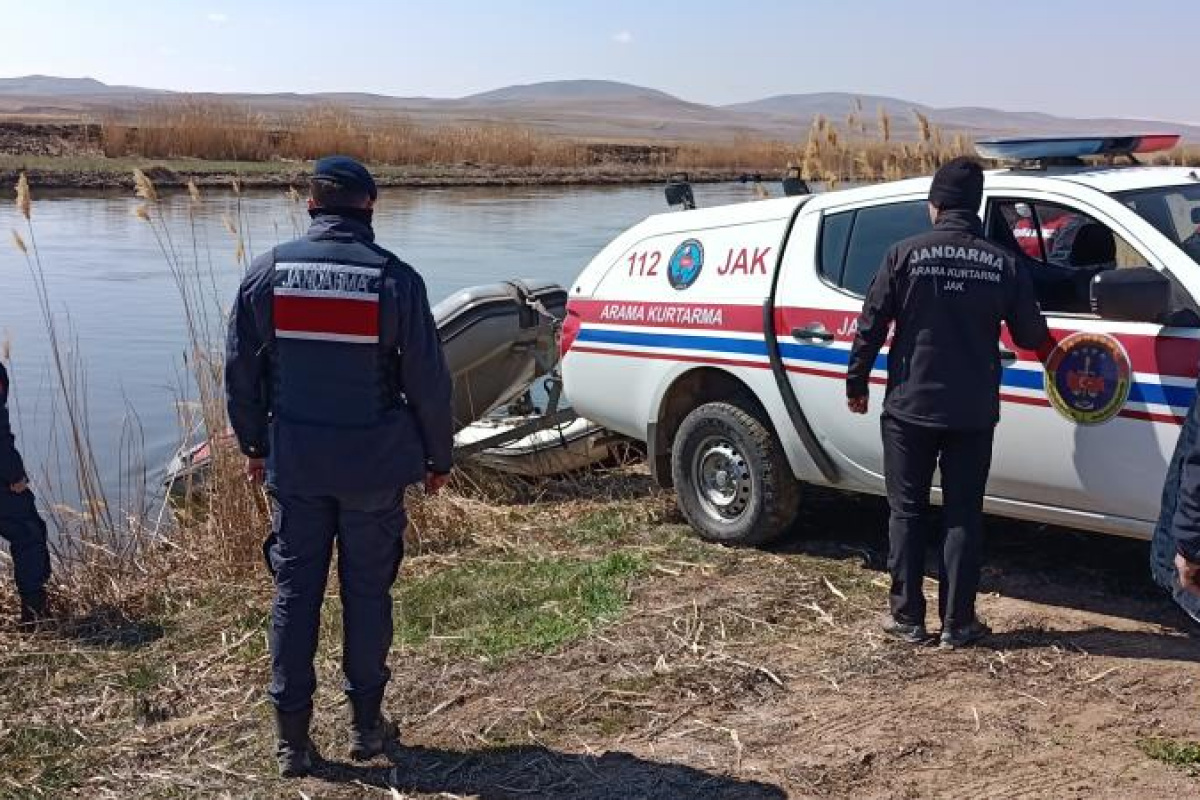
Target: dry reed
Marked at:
216, 131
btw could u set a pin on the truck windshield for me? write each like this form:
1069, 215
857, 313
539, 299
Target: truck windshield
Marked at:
1174, 210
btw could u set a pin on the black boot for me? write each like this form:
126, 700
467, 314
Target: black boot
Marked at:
34, 610
371, 733
294, 752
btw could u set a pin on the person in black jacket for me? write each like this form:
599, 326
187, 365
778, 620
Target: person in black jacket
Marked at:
1183, 490
20, 522
339, 395
947, 293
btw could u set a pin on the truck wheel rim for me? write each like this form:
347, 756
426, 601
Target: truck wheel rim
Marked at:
722, 479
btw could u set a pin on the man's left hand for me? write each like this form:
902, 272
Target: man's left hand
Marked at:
20, 487
858, 405
256, 470
1189, 574
435, 482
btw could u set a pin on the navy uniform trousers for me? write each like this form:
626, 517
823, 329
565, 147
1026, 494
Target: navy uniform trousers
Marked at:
911, 454
25, 531
368, 531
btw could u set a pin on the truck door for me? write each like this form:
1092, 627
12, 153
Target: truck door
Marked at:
1093, 430
830, 260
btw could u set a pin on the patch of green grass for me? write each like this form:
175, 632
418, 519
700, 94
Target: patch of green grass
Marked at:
496, 610
605, 525
141, 678
41, 755
1170, 751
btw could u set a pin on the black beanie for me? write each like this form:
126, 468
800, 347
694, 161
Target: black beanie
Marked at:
958, 185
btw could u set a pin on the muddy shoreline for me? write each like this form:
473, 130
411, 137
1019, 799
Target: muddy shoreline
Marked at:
260, 176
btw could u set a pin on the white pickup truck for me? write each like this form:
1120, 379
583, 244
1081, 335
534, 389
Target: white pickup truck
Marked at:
720, 338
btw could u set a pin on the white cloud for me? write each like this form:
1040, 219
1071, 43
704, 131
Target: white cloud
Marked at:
623, 37
218, 19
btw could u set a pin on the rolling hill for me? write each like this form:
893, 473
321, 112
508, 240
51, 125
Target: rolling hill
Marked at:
587, 109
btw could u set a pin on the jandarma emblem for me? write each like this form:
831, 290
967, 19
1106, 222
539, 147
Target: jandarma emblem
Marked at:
685, 264
1088, 378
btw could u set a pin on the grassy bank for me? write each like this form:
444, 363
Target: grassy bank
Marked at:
587, 645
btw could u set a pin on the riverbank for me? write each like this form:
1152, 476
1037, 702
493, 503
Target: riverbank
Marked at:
577, 640
100, 173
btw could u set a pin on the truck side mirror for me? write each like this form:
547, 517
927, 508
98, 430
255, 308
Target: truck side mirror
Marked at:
1134, 294
679, 192
793, 184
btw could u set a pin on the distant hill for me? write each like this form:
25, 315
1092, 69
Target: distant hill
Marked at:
835, 105
50, 86
589, 109
572, 91
977, 121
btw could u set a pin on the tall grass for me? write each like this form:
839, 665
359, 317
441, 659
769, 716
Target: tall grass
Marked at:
113, 550
103, 533
220, 131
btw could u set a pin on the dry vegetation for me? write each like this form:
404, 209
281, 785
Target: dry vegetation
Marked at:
209, 141
221, 132
833, 151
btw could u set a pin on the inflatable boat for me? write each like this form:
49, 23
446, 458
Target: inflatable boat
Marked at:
499, 339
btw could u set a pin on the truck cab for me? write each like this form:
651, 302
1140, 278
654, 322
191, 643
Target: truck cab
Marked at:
721, 337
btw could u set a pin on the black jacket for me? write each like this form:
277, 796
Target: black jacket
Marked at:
12, 469
947, 291
1185, 526
333, 368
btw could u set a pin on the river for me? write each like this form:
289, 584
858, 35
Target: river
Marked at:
109, 282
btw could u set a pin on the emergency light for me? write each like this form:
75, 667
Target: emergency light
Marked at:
1075, 147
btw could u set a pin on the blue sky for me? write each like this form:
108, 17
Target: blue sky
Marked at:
1061, 56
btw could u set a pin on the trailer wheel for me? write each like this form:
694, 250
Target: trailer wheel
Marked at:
733, 483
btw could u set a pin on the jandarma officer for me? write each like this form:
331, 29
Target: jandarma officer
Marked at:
946, 292
339, 393
1181, 505
20, 522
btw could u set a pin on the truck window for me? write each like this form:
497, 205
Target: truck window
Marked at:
835, 235
872, 231
1062, 248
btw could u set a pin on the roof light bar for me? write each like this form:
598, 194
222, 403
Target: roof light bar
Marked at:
1040, 149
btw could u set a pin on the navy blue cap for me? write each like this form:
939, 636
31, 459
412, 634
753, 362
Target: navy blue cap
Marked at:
958, 185
346, 171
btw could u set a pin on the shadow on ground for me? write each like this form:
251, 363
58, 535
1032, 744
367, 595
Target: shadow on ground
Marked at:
1101, 642
537, 772
107, 628
1060, 567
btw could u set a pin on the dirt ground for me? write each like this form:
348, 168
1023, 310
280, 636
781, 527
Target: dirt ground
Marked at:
729, 674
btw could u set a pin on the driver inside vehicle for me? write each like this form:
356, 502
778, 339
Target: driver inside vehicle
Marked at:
1062, 249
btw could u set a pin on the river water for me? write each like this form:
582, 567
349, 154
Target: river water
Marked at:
113, 294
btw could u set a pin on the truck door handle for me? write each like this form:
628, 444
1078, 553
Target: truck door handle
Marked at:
816, 332
1007, 356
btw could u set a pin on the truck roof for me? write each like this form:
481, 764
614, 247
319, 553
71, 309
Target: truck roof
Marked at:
733, 214
1117, 179
1104, 179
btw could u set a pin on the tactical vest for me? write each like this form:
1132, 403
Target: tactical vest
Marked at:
339, 420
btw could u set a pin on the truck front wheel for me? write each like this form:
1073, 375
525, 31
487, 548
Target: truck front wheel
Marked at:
733, 483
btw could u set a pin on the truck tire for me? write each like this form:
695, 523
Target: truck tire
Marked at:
733, 483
